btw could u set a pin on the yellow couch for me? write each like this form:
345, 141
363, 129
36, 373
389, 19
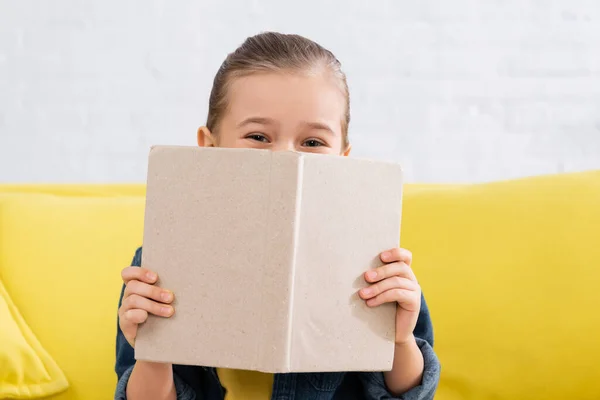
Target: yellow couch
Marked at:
511, 272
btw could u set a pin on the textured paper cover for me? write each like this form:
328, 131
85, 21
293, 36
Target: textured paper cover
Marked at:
265, 252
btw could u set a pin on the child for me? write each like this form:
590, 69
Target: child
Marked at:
281, 92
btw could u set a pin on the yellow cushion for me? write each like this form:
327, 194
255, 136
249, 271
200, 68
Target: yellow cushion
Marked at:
511, 272
246, 385
26, 370
60, 259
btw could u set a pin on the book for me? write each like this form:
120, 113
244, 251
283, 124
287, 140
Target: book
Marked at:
265, 253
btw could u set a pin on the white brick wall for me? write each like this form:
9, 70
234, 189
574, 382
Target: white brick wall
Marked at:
460, 90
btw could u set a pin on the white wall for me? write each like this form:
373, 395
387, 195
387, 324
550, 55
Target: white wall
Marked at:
460, 90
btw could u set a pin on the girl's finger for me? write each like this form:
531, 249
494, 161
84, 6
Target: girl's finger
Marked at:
135, 301
148, 291
408, 299
128, 328
139, 274
395, 255
135, 316
386, 271
395, 282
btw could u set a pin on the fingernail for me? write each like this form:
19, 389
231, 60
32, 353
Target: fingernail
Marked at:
166, 296
167, 311
366, 291
371, 274
151, 276
386, 255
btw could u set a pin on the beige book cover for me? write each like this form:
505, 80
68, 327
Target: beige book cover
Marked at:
265, 252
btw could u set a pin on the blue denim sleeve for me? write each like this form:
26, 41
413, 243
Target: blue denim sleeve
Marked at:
125, 358
374, 383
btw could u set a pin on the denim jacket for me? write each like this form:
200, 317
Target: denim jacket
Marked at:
202, 383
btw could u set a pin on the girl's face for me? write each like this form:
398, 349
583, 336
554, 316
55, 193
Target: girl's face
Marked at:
281, 111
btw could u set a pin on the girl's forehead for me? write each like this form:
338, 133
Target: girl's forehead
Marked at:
286, 95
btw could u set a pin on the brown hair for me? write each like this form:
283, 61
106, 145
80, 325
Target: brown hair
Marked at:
274, 52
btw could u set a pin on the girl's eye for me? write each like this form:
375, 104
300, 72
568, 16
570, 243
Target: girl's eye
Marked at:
258, 137
313, 143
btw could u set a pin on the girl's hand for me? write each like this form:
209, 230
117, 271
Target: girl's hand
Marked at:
140, 298
395, 282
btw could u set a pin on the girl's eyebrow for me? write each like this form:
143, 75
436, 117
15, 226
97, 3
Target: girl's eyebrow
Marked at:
256, 120
269, 121
319, 126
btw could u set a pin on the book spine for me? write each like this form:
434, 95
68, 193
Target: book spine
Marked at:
296, 231
274, 349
